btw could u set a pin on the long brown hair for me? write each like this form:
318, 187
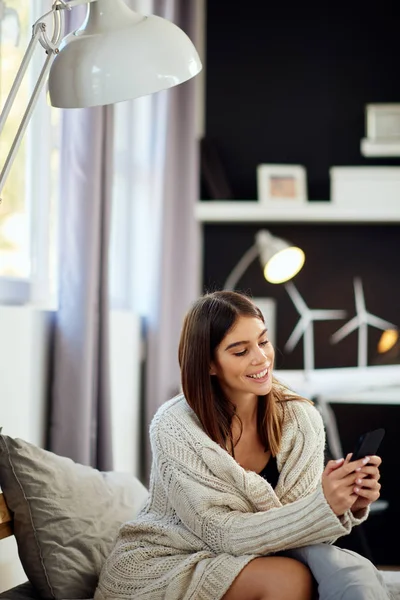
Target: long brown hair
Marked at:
204, 327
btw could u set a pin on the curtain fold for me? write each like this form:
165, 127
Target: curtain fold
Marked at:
176, 271
80, 409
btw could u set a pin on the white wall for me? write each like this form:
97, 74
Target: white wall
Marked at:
24, 353
24, 345
125, 364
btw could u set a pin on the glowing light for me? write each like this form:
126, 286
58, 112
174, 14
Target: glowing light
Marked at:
388, 339
284, 265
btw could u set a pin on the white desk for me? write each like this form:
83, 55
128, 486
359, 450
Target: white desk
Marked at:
380, 395
369, 385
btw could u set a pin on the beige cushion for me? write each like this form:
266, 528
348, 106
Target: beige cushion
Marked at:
66, 516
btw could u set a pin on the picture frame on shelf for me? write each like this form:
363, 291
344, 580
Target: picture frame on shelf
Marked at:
281, 184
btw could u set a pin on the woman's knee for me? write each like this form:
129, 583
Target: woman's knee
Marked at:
298, 582
272, 578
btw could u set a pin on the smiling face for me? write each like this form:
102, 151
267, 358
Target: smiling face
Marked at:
244, 360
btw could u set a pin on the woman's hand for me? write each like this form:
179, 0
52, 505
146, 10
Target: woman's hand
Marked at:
339, 483
367, 486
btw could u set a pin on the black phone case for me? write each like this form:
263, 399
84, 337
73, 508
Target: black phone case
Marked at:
368, 444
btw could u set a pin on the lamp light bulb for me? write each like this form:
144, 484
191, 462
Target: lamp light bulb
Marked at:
387, 340
284, 265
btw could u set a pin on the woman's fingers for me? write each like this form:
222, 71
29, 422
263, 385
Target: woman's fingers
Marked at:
345, 480
351, 479
343, 463
348, 467
371, 492
367, 483
332, 465
373, 460
347, 472
376, 461
371, 472
372, 468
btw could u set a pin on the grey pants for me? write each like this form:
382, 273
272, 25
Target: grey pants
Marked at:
341, 574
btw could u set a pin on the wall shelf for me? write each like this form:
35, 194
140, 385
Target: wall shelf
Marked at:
239, 211
372, 148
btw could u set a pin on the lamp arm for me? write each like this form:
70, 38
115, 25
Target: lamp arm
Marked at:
18, 79
68, 4
241, 267
51, 47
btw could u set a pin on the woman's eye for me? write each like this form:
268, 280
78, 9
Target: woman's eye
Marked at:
264, 343
242, 353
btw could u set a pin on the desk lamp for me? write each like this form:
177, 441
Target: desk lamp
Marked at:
281, 261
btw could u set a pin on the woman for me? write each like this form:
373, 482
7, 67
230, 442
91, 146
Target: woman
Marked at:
239, 499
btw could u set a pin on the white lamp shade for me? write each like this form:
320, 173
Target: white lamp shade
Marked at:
280, 260
118, 55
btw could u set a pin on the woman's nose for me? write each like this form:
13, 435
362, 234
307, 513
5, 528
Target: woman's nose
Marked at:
259, 356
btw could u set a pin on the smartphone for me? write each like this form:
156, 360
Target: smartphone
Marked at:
368, 444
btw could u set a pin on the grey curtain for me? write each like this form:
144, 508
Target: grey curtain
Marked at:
177, 273
80, 409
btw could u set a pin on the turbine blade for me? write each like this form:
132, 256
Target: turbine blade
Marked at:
297, 300
359, 295
296, 334
322, 315
378, 322
344, 331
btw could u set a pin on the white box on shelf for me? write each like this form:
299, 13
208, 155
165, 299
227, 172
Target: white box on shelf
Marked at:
382, 121
366, 187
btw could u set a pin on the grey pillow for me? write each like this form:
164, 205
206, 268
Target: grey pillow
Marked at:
66, 516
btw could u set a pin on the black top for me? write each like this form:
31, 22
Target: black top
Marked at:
270, 472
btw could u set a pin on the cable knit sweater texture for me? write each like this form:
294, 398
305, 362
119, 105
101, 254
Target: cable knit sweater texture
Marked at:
206, 517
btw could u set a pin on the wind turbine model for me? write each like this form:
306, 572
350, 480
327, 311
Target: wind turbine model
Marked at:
361, 321
305, 325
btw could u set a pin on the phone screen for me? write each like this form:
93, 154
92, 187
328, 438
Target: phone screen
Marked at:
368, 444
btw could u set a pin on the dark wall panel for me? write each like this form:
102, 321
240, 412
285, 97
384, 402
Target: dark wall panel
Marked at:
288, 81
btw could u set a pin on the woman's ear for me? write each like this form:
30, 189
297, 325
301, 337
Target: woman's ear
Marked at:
213, 370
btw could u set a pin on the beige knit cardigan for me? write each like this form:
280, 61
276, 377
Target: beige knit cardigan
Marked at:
207, 517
